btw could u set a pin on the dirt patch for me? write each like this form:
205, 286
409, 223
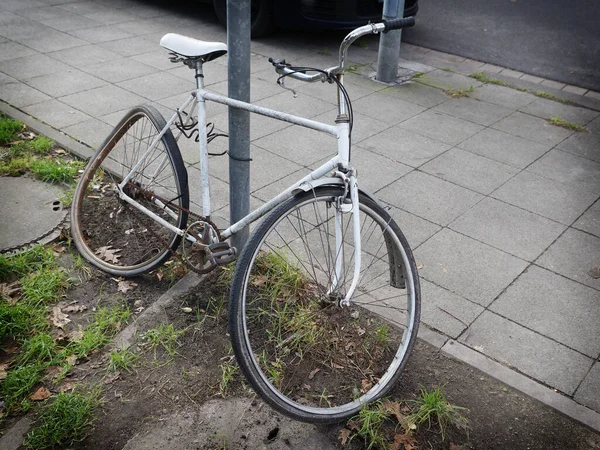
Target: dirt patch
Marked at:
182, 403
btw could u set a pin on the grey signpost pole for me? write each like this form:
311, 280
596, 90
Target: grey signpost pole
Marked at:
238, 42
389, 43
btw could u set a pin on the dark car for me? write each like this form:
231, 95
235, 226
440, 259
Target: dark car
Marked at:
312, 14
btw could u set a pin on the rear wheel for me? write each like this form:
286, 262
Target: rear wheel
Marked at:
306, 355
113, 234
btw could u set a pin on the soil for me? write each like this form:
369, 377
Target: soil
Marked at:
177, 403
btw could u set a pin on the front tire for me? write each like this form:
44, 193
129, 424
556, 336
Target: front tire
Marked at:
308, 357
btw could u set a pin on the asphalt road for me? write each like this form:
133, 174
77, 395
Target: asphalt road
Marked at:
555, 39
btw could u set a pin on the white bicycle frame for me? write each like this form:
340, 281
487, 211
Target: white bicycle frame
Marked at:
338, 166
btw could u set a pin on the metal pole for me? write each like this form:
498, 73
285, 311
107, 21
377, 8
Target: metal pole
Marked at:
389, 43
238, 42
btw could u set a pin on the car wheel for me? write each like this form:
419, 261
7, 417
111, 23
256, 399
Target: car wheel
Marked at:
261, 16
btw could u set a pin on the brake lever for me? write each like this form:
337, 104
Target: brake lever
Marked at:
281, 82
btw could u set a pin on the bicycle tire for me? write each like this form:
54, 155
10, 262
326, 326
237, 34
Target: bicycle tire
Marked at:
109, 232
303, 353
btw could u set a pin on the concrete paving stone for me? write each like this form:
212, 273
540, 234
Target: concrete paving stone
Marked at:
52, 40
590, 220
568, 169
132, 46
92, 132
111, 16
508, 228
56, 113
20, 29
64, 83
376, 171
404, 146
553, 306
574, 255
11, 50
417, 93
512, 73
415, 229
588, 393
594, 125
414, 66
445, 311
16, 5
545, 109
448, 80
146, 11
103, 100
529, 352
99, 34
281, 48
502, 96
364, 126
175, 101
299, 144
268, 192
574, 89
391, 110
322, 91
532, 79
69, 22
474, 110
259, 89
491, 68
25, 68
138, 27
472, 171
553, 84
429, 197
219, 192
260, 126
532, 128
302, 106
20, 95
5, 79
505, 148
41, 13
546, 197
85, 56
592, 94
467, 66
118, 70
445, 56
157, 86
84, 7
586, 145
467, 267
157, 58
442, 127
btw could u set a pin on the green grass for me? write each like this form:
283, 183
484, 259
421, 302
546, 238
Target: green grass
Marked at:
480, 76
17, 386
549, 96
564, 124
63, 421
164, 336
432, 407
122, 360
44, 286
56, 170
368, 425
38, 348
41, 145
457, 93
228, 370
9, 128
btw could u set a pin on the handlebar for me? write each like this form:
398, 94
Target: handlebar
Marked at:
282, 68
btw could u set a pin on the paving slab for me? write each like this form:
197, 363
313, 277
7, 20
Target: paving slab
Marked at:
532, 128
553, 306
590, 220
56, 113
53, 40
19, 94
37, 214
415, 229
132, 45
474, 172
376, 171
467, 267
157, 86
92, 131
84, 56
27, 67
589, 392
586, 145
444, 79
442, 127
120, 69
429, 197
11, 50
545, 109
418, 93
66, 82
508, 228
529, 352
474, 110
103, 100
574, 255
505, 147
391, 110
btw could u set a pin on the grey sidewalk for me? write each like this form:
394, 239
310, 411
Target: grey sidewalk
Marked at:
501, 207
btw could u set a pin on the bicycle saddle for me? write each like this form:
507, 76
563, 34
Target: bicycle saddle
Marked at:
193, 48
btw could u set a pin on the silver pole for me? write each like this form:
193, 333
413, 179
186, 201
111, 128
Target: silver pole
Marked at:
389, 43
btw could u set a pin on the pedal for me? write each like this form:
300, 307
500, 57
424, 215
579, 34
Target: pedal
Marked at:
222, 253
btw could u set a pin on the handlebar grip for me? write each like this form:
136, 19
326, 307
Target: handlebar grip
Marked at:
397, 24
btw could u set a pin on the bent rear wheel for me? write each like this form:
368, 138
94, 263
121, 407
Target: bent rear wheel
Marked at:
113, 234
306, 355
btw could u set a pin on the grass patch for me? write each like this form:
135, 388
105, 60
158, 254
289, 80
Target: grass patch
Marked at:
122, 360
164, 336
41, 145
9, 128
228, 370
21, 264
564, 124
63, 421
480, 76
44, 286
368, 425
457, 93
546, 95
17, 385
56, 170
432, 407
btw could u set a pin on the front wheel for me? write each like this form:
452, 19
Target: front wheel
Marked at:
306, 355
113, 234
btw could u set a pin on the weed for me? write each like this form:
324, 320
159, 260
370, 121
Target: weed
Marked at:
368, 425
433, 407
480, 76
354, 68
324, 52
17, 385
382, 334
9, 128
563, 123
418, 75
39, 348
228, 370
44, 286
41, 145
21, 264
67, 197
15, 167
122, 359
164, 336
64, 420
457, 93
549, 96
56, 170
447, 69
19, 320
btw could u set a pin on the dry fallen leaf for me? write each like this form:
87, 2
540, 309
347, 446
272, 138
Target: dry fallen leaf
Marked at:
41, 394
312, 374
343, 436
71, 360
68, 385
52, 371
394, 407
58, 318
10, 291
125, 285
74, 308
112, 378
407, 440
76, 335
159, 275
3, 369
109, 254
336, 366
58, 249
365, 386
187, 309
420, 266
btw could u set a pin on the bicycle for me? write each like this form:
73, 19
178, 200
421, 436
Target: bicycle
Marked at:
324, 302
